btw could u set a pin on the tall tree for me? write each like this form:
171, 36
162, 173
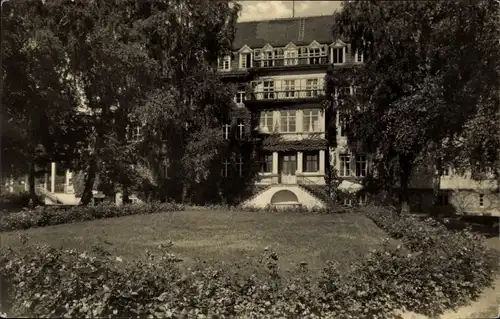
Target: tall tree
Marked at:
430, 81
39, 120
107, 61
186, 113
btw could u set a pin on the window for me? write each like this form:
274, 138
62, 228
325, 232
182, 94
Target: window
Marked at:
311, 162
289, 88
314, 56
443, 199
239, 97
289, 164
239, 164
338, 55
225, 63
312, 88
481, 200
226, 129
359, 57
268, 59
311, 121
361, 166
266, 122
266, 163
344, 91
257, 54
134, 133
345, 165
278, 53
291, 58
343, 124
241, 129
303, 52
225, 168
287, 121
268, 89
245, 60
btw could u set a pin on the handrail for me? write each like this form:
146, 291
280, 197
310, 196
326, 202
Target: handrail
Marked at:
287, 94
301, 179
48, 194
290, 61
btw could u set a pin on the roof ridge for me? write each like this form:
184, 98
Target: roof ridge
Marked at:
288, 18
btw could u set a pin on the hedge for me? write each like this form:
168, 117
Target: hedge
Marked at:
433, 270
52, 215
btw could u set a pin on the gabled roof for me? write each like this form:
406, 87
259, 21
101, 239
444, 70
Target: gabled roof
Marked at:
280, 32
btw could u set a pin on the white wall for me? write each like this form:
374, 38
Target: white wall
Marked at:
304, 197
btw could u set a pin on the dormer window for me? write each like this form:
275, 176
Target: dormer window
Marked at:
225, 63
245, 60
291, 57
268, 59
314, 56
338, 55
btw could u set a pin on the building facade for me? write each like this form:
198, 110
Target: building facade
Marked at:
279, 67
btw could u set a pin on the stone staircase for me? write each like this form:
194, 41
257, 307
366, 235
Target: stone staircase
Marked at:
319, 191
48, 195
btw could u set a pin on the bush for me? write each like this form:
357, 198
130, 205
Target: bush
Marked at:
434, 269
442, 270
46, 216
15, 201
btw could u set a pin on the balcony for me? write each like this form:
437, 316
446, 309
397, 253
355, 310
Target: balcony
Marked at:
284, 97
281, 63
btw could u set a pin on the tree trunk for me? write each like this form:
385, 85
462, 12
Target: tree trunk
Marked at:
89, 183
126, 195
92, 171
436, 183
31, 183
404, 179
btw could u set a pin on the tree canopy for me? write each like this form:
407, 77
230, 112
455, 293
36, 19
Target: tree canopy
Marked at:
82, 75
429, 84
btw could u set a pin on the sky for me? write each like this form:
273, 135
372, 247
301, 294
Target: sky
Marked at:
265, 10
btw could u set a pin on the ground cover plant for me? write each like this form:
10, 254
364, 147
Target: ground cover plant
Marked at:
427, 270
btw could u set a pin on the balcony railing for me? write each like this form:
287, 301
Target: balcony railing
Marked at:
279, 62
287, 94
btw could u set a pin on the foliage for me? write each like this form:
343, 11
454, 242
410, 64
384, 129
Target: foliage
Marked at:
434, 270
39, 118
424, 93
15, 201
275, 143
46, 216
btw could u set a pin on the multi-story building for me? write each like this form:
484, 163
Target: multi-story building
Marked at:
280, 67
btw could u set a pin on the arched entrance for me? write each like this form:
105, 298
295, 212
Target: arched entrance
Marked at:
284, 198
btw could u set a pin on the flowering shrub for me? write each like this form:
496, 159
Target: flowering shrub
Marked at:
432, 270
45, 216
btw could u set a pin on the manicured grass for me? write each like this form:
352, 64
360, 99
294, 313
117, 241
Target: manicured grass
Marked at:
219, 236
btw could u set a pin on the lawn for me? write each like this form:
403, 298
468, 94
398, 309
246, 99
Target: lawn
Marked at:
219, 236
